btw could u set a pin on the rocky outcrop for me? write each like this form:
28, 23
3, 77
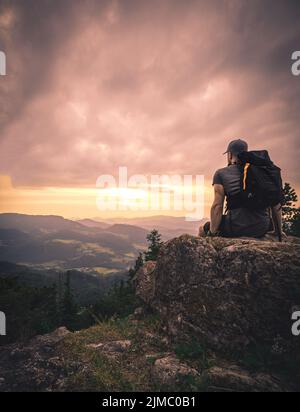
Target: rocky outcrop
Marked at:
229, 294
224, 324
115, 356
35, 366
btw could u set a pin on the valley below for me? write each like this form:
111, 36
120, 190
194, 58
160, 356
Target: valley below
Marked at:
37, 250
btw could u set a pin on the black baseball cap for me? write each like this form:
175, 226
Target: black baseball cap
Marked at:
237, 146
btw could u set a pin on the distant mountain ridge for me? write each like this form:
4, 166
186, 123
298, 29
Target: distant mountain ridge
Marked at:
168, 226
93, 223
32, 223
49, 242
36, 249
52, 242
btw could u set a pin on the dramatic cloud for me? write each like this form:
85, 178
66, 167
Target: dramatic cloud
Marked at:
159, 86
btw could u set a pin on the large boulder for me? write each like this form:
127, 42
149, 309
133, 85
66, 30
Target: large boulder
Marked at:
228, 293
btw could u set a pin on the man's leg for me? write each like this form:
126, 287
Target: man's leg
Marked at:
204, 230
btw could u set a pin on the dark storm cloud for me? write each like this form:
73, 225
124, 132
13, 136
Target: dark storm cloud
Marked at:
159, 86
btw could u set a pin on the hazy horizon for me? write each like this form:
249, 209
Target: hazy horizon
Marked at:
102, 219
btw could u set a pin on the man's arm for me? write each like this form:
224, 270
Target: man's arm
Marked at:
216, 212
277, 220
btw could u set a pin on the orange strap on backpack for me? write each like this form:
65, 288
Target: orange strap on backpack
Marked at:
247, 165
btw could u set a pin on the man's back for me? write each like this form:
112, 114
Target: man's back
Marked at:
240, 222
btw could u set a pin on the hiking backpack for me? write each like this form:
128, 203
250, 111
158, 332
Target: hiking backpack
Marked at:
261, 182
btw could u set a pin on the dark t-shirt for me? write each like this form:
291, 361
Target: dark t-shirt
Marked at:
240, 222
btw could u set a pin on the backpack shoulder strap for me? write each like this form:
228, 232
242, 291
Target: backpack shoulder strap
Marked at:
245, 174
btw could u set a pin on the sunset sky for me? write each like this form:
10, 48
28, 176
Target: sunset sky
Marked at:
158, 86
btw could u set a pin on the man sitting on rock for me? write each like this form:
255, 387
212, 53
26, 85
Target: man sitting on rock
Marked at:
240, 221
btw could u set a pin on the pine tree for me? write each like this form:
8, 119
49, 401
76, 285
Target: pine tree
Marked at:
155, 243
289, 203
290, 213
